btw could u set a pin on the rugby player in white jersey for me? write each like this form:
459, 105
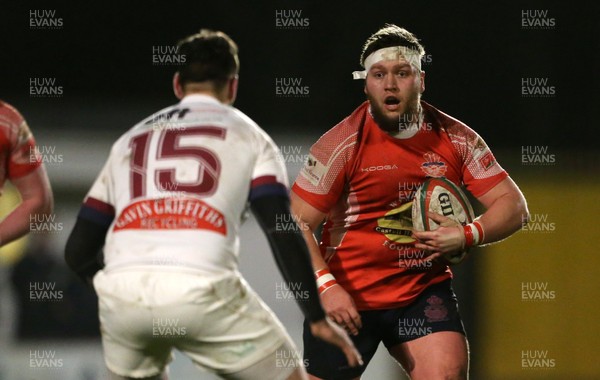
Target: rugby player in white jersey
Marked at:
167, 208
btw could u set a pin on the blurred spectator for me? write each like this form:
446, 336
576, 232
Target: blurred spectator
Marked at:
51, 302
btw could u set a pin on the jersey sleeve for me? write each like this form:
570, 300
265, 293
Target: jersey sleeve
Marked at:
480, 171
269, 176
322, 179
99, 206
23, 157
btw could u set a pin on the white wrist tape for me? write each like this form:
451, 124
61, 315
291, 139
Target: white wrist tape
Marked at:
324, 279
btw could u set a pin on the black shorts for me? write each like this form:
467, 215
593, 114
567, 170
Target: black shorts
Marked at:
434, 310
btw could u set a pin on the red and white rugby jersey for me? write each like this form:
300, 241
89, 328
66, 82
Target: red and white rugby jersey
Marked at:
18, 155
356, 174
175, 187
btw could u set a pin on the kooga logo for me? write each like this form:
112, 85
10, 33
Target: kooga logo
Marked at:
375, 168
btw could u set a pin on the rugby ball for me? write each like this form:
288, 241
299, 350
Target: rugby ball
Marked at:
441, 196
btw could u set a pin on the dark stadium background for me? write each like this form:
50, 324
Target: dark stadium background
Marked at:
478, 55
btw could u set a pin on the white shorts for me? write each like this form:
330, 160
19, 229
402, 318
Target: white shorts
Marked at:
219, 322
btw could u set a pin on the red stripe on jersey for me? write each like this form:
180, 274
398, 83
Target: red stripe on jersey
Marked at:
264, 180
99, 206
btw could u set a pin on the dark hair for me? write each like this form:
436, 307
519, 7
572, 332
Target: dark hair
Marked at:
390, 35
209, 56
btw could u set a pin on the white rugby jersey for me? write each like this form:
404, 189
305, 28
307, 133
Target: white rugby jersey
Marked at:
175, 187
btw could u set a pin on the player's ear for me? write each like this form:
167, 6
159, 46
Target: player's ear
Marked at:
422, 81
232, 87
177, 88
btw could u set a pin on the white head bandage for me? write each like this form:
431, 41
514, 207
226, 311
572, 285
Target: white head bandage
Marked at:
393, 53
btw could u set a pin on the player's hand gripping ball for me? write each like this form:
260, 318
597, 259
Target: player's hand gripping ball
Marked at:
441, 196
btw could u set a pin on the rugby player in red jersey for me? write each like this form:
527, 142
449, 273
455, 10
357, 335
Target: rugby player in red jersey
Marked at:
376, 279
21, 164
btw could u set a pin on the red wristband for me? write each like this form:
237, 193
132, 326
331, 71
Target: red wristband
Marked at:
480, 231
327, 285
468, 236
321, 272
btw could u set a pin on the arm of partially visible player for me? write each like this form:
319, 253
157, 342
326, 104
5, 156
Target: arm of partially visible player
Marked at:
338, 304
289, 250
506, 213
83, 247
291, 255
36, 204
87, 237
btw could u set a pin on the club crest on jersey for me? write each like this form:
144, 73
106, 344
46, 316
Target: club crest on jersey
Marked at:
486, 160
481, 153
433, 165
436, 311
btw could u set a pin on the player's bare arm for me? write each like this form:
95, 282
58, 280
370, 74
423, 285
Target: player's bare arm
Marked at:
36, 199
506, 212
338, 304
311, 218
